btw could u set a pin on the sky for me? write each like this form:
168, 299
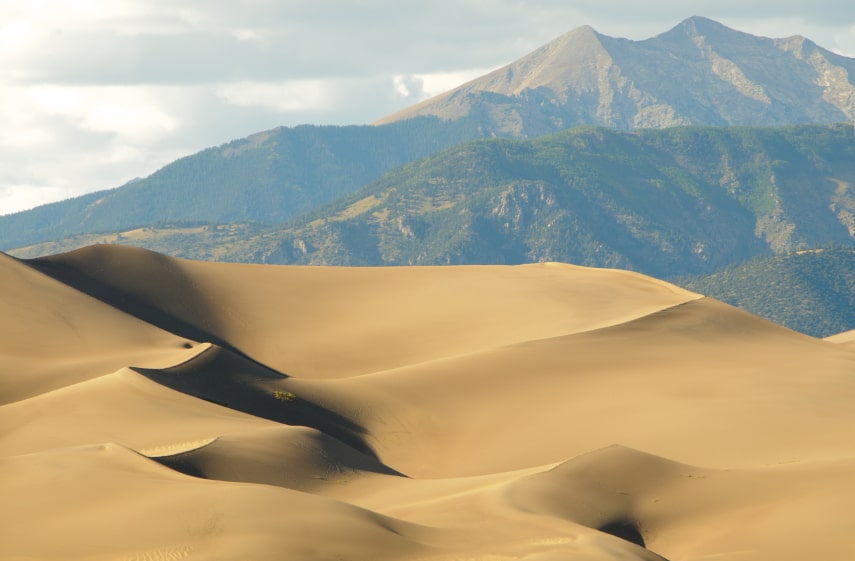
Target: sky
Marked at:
96, 93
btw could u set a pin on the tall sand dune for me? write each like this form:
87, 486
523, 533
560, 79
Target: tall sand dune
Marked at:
291, 317
153, 408
54, 335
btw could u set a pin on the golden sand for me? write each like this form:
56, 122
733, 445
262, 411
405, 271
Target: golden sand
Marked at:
153, 408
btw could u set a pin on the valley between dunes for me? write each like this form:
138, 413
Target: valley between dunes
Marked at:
153, 408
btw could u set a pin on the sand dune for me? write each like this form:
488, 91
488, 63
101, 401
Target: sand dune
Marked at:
107, 502
847, 338
156, 409
290, 317
296, 457
54, 335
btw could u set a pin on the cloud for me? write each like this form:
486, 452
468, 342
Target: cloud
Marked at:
417, 87
194, 42
335, 97
293, 96
98, 92
115, 110
64, 141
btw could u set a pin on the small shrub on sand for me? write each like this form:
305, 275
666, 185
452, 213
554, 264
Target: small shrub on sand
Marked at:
285, 396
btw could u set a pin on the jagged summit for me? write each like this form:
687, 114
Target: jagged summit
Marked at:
699, 25
698, 72
555, 65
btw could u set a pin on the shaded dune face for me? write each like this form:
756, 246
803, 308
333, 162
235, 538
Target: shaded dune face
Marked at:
156, 408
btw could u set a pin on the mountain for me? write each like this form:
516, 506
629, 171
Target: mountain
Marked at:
698, 73
672, 202
812, 291
266, 178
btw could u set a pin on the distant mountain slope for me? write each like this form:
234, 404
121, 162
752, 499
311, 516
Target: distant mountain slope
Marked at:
699, 72
672, 202
812, 291
268, 178
207, 242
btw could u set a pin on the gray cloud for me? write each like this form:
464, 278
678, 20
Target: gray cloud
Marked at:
205, 42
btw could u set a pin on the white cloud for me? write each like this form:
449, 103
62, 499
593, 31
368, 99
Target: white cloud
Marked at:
438, 82
286, 96
121, 110
15, 34
418, 87
844, 41
23, 196
409, 86
62, 141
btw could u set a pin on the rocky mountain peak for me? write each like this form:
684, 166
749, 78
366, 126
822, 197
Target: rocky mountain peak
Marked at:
701, 26
699, 72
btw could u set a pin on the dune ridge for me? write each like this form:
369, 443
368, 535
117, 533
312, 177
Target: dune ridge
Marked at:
423, 312
157, 408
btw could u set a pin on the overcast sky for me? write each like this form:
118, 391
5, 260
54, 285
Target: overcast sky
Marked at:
97, 92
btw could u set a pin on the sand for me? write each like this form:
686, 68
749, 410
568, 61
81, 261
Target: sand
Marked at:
153, 408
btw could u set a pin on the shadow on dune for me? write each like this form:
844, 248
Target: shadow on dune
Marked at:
297, 458
231, 380
156, 289
91, 270
609, 490
624, 530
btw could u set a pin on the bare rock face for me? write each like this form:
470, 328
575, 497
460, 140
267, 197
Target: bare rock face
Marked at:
700, 72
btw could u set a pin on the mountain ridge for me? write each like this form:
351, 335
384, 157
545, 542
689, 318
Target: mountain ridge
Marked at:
698, 72
669, 203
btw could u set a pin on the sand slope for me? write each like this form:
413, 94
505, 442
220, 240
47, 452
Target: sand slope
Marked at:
290, 317
54, 335
154, 408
